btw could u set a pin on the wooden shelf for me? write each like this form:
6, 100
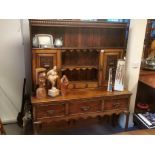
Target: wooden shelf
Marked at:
82, 94
77, 34
88, 81
79, 67
83, 84
79, 48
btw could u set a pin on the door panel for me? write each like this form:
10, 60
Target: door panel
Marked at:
44, 58
108, 58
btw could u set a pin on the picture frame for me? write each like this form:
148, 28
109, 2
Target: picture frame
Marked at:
43, 41
120, 75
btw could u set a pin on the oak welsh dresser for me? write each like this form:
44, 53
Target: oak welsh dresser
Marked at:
89, 49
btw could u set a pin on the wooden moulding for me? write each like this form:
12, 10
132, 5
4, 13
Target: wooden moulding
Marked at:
82, 94
77, 23
79, 116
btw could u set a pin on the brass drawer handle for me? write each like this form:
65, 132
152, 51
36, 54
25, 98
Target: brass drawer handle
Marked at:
111, 64
85, 108
116, 104
50, 112
46, 65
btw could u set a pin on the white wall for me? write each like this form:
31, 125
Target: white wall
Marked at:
27, 53
12, 69
133, 57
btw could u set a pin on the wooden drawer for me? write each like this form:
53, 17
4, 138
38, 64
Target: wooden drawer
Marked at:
92, 85
84, 106
116, 104
49, 110
80, 85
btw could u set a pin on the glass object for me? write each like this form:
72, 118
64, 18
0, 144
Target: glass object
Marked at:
58, 42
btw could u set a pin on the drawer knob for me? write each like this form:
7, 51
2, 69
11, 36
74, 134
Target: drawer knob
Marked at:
116, 104
85, 108
50, 112
46, 65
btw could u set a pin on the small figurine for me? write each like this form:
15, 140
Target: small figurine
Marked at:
52, 76
64, 85
41, 91
37, 71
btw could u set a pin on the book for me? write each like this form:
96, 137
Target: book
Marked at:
144, 121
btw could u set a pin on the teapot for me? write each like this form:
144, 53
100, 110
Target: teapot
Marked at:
58, 42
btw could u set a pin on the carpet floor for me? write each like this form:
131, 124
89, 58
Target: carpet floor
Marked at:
78, 128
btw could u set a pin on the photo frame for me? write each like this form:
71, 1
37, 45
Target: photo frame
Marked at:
120, 75
43, 41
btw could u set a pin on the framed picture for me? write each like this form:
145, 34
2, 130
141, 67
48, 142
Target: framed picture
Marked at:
120, 75
43, 41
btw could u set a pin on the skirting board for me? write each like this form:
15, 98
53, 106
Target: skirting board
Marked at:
9, 121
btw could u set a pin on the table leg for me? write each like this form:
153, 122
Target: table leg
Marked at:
36, 127
127, 113
113, 120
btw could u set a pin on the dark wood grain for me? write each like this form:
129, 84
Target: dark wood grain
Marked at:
83, 34
148, 78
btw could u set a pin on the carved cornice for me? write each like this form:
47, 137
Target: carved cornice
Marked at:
76, 23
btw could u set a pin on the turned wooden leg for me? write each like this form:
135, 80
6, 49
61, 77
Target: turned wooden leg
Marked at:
36, 127
69, 122
108, 119
127, 113
99, 118
74, 121
113, 120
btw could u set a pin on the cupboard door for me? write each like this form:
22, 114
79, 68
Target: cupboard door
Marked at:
44, 58
108, 58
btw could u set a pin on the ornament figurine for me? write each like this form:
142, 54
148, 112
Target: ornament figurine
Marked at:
52, 76
64, 85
